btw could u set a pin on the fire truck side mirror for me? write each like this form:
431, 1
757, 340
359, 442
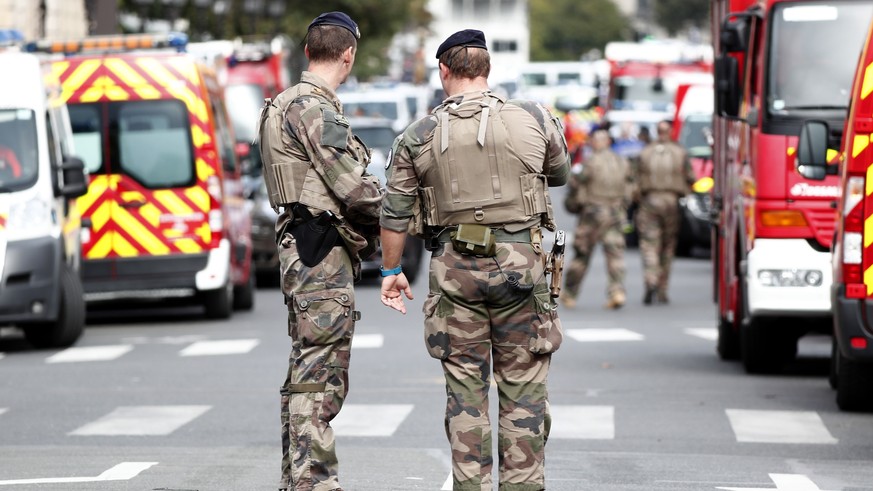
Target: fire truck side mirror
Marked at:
734, 36
812, 150
727, 86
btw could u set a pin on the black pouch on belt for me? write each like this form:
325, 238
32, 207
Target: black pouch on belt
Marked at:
315, 236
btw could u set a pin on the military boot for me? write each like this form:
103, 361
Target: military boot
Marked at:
616, 300
650, 296
662, 297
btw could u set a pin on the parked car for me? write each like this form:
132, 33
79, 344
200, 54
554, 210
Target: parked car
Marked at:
379, 134
695, 228
265, 255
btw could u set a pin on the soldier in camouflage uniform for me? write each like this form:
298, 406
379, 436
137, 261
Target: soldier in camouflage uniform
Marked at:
664, 175
321, 299
490, 305
602, 188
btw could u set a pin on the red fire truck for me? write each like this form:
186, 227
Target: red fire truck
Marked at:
778, 63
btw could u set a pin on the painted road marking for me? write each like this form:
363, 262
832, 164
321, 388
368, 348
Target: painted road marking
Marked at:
2, 355
121, 472
3, 410
786, 482
89, 353
222, 347
370, 419
707, 333
142, 420
367, 341
447, 486
583, 422
779, 427
594, 335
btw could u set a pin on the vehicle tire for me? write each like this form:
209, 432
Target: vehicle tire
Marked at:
244, 295
728, 346
833, 374
71, 316
854, 384
218, 302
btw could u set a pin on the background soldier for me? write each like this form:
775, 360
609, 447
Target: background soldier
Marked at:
665, 174
323, 235
489, 298
600, 189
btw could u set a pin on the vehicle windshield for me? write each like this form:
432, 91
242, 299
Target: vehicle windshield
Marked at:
244, 103
815, 47
149, 141
18, 149
694, 136
643, 93
376, 137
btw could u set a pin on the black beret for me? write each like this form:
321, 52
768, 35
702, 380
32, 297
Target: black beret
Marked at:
467, 37
336, 19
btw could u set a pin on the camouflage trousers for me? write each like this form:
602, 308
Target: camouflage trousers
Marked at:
474, 320
321, 321
598, 223
658, 226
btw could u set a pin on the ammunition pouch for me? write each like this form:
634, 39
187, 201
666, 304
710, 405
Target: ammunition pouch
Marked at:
474, 240
315, 236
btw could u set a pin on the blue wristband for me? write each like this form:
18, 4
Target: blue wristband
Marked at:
390, 272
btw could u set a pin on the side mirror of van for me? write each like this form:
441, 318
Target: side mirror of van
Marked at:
75, 179
812, 150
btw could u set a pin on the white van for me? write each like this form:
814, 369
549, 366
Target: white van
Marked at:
40, 284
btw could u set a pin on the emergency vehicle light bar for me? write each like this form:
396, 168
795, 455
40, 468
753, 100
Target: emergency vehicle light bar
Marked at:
112, 43
10, 37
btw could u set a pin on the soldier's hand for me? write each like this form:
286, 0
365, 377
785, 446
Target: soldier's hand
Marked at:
393, 289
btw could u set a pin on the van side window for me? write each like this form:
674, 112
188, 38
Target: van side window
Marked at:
87, 137
18, 148
151, 142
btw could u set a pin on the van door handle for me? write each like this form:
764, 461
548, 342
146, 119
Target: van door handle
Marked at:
132, 204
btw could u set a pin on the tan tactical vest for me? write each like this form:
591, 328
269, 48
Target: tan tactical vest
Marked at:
478, 178
662, 168
288, 173
606, 181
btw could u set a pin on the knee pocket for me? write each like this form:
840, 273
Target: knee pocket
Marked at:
547, 333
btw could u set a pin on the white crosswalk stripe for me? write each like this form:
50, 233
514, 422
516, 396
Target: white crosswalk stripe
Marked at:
370, 419
583, 422
222, 347
364, 341
142, 420
596, 335
89, 353
707, 333
2, 355
3, 410
779, 427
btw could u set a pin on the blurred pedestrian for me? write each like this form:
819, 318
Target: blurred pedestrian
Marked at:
601, 189
664, 175
481, 165
322, 235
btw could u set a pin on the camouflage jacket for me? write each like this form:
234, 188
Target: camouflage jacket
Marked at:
339, 158
664, 166
539, 140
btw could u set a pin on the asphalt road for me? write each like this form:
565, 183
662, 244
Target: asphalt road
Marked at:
158, 399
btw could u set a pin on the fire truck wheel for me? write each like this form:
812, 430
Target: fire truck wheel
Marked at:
854, 380
728, 346
833, 374
71, 316
218, 302
244, 295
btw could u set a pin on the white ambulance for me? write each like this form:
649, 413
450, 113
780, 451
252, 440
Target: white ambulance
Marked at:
40, 284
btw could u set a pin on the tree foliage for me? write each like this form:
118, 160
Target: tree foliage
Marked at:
676, 15
567, 29
378, 20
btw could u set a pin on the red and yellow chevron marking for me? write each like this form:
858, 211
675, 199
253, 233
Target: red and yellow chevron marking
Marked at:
2, 222
859, 136
172, 220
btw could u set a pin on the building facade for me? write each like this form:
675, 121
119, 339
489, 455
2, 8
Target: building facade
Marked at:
45, 19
